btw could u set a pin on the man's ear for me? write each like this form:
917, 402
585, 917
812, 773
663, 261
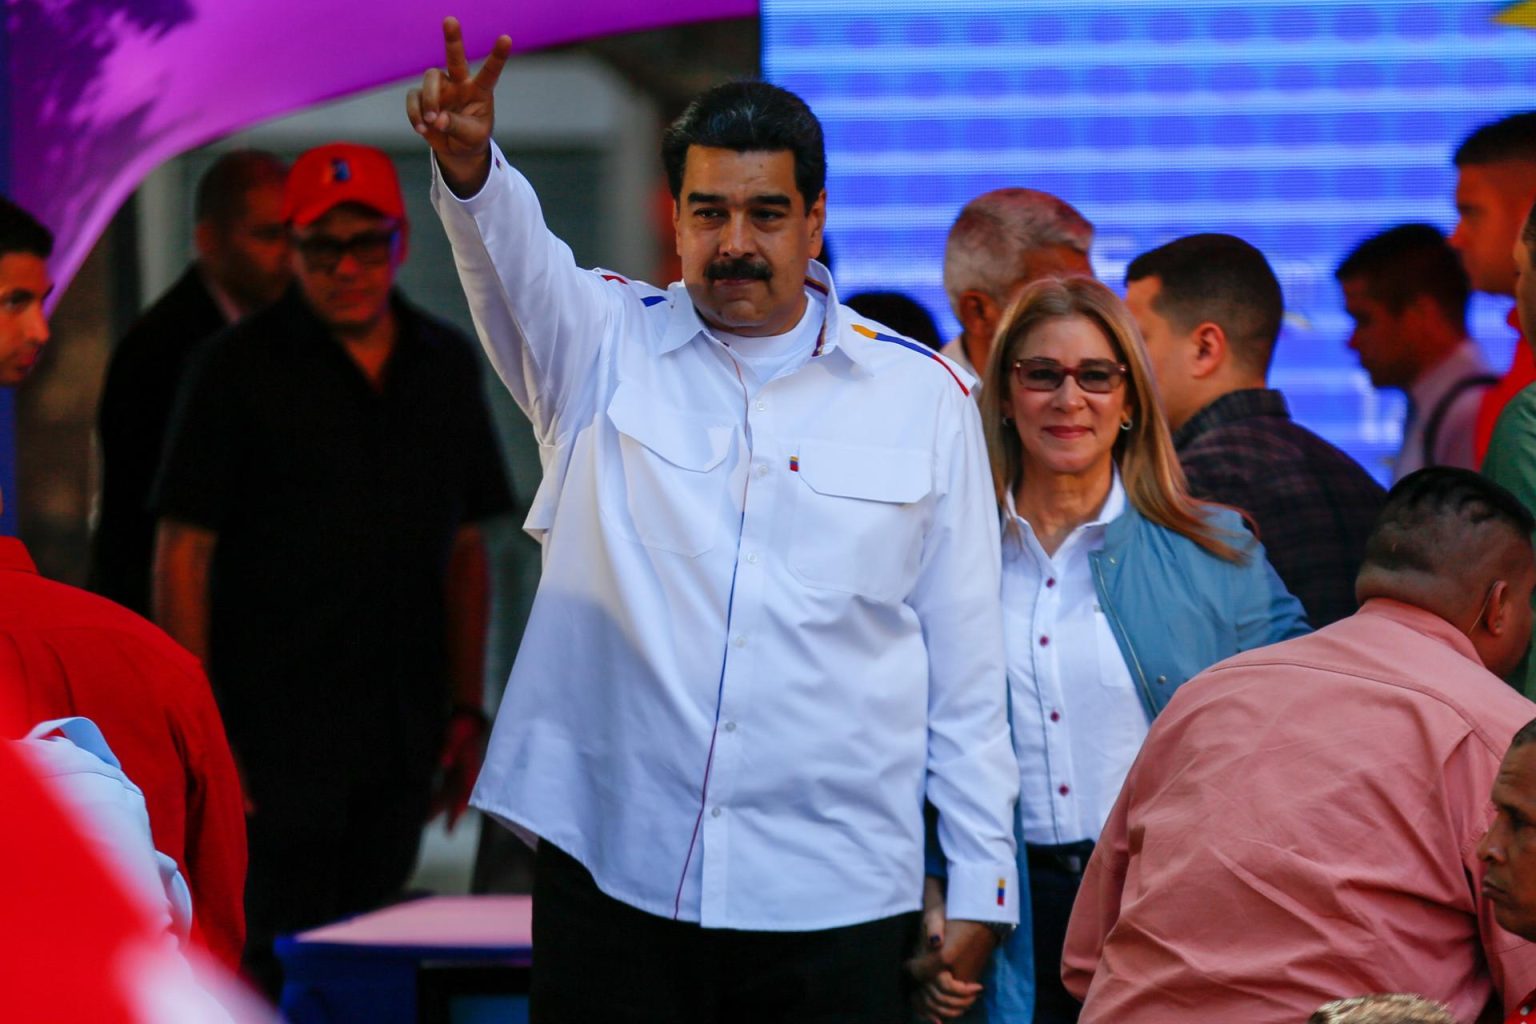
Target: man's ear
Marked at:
817, 215
978, 314
1496, 618
1422, 315
1207, 351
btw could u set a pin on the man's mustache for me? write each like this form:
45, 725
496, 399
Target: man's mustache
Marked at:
740, 269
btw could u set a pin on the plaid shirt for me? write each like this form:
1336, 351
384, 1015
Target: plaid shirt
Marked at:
1310, 504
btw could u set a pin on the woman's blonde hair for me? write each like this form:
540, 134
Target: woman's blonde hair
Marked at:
1149, 469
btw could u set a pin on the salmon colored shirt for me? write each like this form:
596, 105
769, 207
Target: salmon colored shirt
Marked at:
1301, 826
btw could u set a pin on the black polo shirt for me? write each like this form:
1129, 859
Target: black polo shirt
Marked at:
335, 506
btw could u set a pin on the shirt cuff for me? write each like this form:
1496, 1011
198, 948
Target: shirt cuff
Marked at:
488, 190
983, 892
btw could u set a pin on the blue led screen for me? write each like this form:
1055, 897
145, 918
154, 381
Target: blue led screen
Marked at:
1302, 127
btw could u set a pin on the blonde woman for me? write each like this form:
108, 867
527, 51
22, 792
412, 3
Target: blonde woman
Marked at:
1117, 588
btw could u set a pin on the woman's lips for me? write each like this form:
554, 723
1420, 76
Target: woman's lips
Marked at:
1067, 433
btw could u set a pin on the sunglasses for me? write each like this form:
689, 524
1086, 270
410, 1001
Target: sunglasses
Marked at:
324, 253
1096, 376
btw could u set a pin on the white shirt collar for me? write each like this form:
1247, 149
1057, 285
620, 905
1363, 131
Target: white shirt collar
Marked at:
1112, 509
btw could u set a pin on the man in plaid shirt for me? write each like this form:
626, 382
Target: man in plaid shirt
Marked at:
1209, 307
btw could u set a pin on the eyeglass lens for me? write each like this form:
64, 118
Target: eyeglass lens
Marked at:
1095, 375
371, 248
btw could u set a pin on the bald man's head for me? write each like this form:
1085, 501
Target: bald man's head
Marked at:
1457, 544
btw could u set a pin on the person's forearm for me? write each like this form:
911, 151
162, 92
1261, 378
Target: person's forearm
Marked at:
468, 611
180, 587
465, 175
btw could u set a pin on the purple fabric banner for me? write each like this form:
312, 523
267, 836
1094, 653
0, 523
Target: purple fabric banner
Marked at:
103, 91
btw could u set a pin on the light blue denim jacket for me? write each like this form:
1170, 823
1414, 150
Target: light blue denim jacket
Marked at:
1175, 610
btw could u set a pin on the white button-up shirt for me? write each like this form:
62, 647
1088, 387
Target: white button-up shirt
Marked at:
1077, 722
768, 623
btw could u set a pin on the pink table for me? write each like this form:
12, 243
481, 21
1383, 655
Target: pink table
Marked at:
365, 968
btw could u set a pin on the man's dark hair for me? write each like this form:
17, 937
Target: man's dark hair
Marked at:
222, 189
1511, 138
1526, 735
1430, 515
900, 312
1219, 278
749, 117
20, 232
1402, 263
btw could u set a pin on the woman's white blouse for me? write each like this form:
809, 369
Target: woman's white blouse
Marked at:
1077, 722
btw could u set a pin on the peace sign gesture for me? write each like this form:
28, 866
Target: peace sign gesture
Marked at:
455, 110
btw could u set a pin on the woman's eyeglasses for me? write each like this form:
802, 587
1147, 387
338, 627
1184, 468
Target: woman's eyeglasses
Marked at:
1097, 376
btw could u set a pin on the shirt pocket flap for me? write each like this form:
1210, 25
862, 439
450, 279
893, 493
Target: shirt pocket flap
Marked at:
686, 442
899, 475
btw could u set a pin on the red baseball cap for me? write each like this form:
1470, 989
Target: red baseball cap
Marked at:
341, 172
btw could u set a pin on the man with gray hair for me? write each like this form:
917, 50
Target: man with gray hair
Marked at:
1003, 240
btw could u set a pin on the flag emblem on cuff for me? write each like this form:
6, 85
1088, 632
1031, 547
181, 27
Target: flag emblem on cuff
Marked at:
1002, 892
794, 463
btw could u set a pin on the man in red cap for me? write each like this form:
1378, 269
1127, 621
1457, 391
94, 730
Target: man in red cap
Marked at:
318, 548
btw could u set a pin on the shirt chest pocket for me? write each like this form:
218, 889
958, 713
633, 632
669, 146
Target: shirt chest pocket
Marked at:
859, 517
668, 487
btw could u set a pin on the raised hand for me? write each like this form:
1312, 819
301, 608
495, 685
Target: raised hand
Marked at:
455, 111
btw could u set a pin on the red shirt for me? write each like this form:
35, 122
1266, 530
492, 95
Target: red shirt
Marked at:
1525, 1013
1522, 371
66, 652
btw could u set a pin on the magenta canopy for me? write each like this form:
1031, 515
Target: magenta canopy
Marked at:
101, 92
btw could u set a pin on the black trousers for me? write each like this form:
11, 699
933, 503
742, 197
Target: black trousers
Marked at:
325, 849
597, 959
1055, 875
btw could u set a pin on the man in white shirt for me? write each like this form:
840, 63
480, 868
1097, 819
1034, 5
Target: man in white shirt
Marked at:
768, 623
1001, 241
1407, 291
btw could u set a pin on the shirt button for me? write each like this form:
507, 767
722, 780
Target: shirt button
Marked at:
1045, 641
1162, 679
1063, 791
715, 813
762, 406
740, 640
1051, 582
1055, 716
762, 469
730, 726
752, 558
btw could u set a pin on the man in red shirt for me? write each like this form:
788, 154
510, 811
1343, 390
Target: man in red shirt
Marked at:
1495, 187
66, 652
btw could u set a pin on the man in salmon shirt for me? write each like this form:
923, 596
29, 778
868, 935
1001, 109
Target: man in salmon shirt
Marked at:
1303, 819
1495, 187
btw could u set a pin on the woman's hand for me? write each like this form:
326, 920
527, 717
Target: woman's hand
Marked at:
940, 995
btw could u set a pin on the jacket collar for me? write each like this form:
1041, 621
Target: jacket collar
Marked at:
1230, 408
1421, 620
